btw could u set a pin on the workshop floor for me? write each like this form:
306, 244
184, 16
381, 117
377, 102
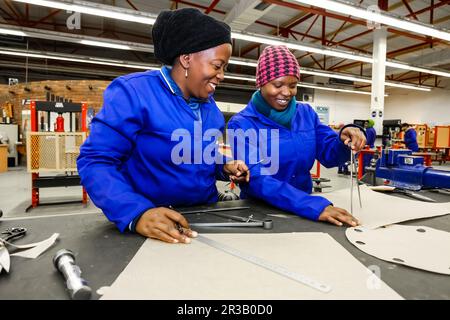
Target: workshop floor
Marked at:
15, 193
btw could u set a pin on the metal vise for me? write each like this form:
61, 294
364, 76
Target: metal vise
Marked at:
406, 171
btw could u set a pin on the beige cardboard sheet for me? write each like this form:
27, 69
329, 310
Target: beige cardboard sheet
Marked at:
419, 247
379, 209
198, 271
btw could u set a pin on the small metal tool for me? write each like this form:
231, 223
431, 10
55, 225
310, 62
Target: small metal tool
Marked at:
64, 262
9, 234
229, 216
353, 172
265, 224
13, 233
209, 210
253, 165
243, 222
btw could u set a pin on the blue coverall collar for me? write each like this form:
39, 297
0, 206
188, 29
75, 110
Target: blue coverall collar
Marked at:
250, 111
174, 88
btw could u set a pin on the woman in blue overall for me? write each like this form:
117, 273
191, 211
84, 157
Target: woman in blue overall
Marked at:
370, 132
410, 137
128, 164
301, 140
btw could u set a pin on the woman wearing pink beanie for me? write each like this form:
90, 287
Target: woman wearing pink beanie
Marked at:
295, 134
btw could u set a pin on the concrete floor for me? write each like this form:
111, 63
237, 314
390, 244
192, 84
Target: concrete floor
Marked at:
15, 193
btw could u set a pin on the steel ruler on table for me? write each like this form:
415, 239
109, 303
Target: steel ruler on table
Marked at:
266, 264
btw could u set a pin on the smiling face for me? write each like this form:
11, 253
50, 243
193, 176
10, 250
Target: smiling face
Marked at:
206, 70
279, 92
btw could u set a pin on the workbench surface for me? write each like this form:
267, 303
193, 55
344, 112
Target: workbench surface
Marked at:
102, 252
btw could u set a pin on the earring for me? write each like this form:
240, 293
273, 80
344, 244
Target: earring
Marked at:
185, 73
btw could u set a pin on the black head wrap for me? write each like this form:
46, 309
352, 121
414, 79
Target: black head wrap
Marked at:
185, 31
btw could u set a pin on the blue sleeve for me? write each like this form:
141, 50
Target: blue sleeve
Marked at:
330, 150
108, 147
275, 192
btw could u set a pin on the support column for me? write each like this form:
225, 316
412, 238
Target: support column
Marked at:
378, 78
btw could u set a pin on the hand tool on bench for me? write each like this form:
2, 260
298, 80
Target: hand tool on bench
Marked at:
208, 210
64, 262
8, 235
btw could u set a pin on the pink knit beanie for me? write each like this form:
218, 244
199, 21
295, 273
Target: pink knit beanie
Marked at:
276, 62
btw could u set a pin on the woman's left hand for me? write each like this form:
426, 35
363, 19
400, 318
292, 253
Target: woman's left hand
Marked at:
355, 135
237, 170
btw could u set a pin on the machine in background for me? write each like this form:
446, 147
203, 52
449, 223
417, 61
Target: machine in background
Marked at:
391, 129
405, 171
51, 155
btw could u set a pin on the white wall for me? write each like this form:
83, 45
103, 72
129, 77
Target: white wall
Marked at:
419, 107
410, 106
344, 107
230, 107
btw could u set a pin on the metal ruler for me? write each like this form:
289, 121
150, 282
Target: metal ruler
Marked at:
266, 264
210, 210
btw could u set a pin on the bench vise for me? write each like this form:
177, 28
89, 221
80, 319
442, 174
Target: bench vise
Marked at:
406, 171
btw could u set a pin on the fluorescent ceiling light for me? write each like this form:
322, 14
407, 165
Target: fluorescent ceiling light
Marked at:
405, 66
101, 61
240, 77
115, 13
105, 44
295, 46
307, 85
75, 38
12, 32
336, 75
243, 62
379, 17
149, 18
80, 59
91, 8
301, 84
407, 86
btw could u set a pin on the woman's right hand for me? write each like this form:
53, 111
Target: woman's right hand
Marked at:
161, 223
338, 216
